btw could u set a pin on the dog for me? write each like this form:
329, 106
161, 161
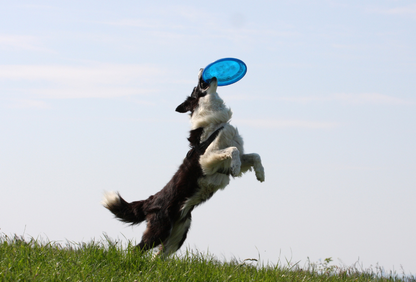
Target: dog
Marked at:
216, 153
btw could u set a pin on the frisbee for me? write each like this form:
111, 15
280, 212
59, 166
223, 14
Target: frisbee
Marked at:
227, 71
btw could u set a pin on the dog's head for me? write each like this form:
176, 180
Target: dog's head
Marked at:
199, 91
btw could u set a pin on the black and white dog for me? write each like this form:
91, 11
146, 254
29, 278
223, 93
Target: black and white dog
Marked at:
216, 154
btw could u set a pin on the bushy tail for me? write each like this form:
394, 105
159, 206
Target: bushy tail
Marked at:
127, 212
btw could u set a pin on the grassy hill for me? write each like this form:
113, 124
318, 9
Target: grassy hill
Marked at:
107, 260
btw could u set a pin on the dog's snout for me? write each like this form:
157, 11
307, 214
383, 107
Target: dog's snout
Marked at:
211, 80
213, 84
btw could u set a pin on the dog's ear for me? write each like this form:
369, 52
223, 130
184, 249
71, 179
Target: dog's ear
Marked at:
187, 106
182, 108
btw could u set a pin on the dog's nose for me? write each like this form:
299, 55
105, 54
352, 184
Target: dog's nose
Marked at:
213, 81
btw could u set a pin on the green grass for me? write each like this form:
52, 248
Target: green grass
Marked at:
107, 260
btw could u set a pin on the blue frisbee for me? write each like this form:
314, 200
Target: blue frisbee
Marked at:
227, 71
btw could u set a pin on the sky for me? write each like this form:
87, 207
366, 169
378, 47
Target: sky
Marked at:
88, 91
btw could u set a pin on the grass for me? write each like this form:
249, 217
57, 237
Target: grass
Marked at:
107, 260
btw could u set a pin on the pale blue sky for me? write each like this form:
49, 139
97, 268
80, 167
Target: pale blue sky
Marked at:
87, 97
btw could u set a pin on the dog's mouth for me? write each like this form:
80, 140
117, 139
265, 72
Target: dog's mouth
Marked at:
204, 85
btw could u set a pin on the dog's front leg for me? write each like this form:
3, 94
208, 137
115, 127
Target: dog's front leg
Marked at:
235, 162
212, 161
253, 160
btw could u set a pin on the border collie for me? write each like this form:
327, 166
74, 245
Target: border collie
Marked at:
216, 154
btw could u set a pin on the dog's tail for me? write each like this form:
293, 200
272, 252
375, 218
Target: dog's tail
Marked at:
126, 212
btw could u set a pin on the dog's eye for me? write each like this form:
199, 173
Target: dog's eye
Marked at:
194, 93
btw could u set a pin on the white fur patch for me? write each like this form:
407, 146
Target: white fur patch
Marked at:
176, 235
208, 186
224, 153
110, 199
211, 112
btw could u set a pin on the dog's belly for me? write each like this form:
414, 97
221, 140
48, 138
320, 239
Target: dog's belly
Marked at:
208, 185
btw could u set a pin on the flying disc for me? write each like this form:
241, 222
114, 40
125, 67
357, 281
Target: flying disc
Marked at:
227, 71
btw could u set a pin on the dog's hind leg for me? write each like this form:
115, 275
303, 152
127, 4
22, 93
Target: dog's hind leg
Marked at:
253, 160
157, 232
178, 235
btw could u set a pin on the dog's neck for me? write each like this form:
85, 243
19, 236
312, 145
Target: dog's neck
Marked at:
210, 114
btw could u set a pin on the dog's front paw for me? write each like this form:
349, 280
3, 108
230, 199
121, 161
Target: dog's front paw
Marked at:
260, 174
235, 169
235, 164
